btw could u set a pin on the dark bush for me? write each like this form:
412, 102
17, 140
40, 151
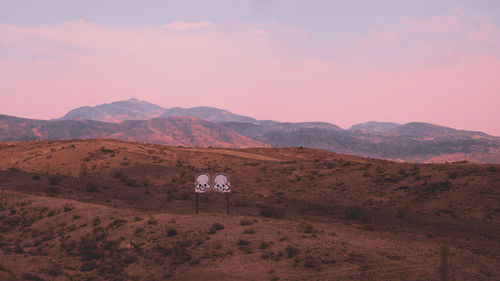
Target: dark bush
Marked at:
31, 276
249, 231
36, 177
246, 222
292, 251
438, 186
356, 213
171, 232
55, 179
119, 222
117, 173
52, 191
264, 245
267, 211
217, 226
309, 229
91, 187
242, 242
310, 262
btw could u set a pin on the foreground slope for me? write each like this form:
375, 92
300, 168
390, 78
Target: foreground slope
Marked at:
104, 209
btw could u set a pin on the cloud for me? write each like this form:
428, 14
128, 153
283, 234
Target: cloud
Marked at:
230, 66
185, 26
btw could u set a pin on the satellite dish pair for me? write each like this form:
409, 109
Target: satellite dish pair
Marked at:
221, 183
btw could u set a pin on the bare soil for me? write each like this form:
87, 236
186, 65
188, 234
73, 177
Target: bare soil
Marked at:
114, 210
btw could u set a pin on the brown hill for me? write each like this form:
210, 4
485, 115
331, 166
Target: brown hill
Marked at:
174, 130
411, 142
105, 209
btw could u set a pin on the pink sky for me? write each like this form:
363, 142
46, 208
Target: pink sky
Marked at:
439, 69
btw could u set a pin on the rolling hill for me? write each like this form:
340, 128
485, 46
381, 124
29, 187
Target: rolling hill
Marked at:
175, 131
141, 121
114, 210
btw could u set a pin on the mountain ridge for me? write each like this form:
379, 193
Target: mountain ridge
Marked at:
169, 130
414, 141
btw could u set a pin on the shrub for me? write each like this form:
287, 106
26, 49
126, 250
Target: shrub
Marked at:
356, 213
119, 222
117, 173
249, 231
36, 177
267, 211
52, 191
139, 230
31, 276
310, 262
264, 245
171, 232
246, 222
55, 179
91, 187
242, 242
217, 226
291, 251
51, 213
309, 229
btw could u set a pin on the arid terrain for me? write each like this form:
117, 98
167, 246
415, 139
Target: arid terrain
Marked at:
202, 126
114, 210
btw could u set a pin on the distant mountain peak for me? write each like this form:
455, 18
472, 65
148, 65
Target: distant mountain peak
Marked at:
135, 109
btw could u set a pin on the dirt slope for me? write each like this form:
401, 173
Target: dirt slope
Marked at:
105, 209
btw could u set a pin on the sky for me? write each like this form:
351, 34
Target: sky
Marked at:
343, 62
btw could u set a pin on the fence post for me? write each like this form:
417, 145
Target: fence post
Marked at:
196, 196
444, 263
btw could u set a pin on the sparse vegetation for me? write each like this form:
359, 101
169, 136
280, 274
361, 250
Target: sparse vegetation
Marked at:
54, 179
267, 211
292, 251
306, 230
171, 232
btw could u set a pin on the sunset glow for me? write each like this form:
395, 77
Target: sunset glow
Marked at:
281, 60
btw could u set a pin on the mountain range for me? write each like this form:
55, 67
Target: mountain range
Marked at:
136, 120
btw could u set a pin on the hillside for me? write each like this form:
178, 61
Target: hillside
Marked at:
411, 142
106, 209
183, 131
134, 109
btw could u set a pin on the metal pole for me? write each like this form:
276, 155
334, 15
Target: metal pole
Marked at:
444, 263
196, 202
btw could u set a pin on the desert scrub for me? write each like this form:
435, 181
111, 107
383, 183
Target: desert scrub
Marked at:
245, 222
356, 213
267, 211
249, 231
243, 242
171, 232
215, 227
55, 179
292, 251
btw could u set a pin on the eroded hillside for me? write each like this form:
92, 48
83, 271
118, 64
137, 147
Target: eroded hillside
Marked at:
71, 210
